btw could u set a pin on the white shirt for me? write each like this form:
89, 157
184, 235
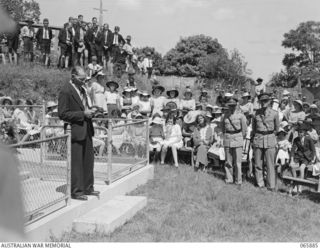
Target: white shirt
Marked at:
190, 104
45, 34
112, 98
87, 103
115, 39
147, 63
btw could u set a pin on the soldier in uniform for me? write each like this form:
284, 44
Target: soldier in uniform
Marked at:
234, 128
264, 128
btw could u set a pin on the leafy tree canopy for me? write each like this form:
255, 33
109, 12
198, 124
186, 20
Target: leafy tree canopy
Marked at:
22, 9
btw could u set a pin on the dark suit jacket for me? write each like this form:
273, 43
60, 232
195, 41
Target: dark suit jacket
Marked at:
63, 36
100, 40
39, 35
120, 39
77, 38
303, 151
71, 110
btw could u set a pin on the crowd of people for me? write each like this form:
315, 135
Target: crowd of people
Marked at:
80, 43
237, 126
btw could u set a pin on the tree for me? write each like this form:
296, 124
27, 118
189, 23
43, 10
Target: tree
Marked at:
20, 10
185, 58
156, 57
304, 60
203, 56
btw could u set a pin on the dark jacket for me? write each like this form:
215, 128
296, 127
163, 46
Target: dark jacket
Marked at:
120, 39
77, 38
39, 35
63, 36
100, 40
305, 151
71, 110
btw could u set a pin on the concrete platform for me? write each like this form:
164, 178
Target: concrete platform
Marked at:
58, 222
110, 216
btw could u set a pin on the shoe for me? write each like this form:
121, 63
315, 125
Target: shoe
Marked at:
239, 187
79, 197
96, 193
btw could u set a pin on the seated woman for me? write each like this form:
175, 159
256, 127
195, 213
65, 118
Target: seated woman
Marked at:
157, 100
202, 138
156, 136
302, 153
118, 133
145, 104
173, 139
217, 149
188, 103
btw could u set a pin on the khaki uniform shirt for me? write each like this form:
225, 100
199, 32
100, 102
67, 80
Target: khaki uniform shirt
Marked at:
265, 122
232, 123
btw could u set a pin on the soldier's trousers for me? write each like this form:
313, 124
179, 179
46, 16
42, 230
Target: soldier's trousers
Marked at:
267, 155
233, 162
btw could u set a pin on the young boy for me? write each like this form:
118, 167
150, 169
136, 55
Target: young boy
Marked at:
302, 153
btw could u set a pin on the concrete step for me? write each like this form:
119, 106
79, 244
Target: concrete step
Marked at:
106, 218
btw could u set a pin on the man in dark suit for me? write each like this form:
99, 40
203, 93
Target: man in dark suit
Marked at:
81, 45
44, 37
104, 43
65, 44
74, 107
117, 39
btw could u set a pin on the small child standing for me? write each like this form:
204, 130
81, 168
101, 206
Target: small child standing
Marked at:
156, 135
283, 148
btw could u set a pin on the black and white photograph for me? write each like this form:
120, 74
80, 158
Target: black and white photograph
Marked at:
181, 121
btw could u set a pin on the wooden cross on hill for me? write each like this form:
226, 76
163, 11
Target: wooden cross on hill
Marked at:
101, 10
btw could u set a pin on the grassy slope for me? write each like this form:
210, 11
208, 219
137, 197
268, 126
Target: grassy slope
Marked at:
187, 206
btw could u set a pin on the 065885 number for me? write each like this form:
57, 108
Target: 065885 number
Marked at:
308, 245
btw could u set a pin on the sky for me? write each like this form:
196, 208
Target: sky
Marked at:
254, 27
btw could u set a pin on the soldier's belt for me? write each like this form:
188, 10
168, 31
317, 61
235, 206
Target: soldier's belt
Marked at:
265, 132
233, 132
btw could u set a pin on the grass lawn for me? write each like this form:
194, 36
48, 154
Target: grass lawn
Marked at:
184, 206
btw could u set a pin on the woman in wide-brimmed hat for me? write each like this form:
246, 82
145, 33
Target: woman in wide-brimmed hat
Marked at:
173, 139
135, 95
145, 103
126, 97
246, 105
173, 96
296, 115
188, 103
95, 87
5, 111
202, 138
112, 97
157, 100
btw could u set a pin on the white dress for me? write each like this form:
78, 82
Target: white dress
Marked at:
173, 136
98, 95
158, 104
283, 151
188, 104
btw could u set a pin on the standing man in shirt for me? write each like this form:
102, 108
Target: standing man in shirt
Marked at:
74, 107
148, 64
234, 128
44, 36
264, 129
27, 34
